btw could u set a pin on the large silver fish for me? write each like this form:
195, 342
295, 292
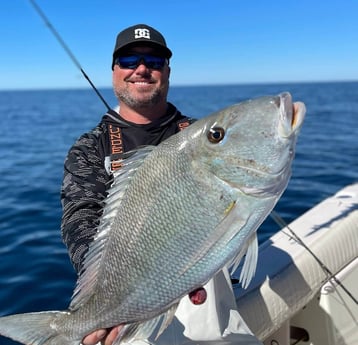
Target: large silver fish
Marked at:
176, 214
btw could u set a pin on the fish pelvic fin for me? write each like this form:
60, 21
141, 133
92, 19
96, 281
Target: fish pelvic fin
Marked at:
249, 267
136, 331
167, 319
34, 329
144, 330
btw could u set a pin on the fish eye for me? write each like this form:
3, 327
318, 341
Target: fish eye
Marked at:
216, 134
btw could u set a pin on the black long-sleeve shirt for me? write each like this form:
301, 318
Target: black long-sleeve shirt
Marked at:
87, 172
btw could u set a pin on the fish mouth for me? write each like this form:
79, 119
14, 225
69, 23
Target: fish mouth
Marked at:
291, 114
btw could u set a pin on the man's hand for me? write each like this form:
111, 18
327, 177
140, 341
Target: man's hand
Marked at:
108, 336
105, 336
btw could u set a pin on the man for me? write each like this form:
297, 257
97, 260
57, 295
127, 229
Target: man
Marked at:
140, 81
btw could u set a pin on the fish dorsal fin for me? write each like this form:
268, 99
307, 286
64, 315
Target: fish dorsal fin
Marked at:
88, 276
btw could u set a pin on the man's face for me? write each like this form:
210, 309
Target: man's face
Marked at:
141, 87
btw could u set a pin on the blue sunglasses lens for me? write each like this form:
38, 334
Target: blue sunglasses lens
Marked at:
133, 61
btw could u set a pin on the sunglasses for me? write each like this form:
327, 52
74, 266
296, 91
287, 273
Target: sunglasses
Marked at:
134, 60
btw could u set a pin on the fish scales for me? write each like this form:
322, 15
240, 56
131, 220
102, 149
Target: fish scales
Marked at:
163, 193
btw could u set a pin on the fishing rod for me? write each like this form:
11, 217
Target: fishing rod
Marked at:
330, 275
67, 50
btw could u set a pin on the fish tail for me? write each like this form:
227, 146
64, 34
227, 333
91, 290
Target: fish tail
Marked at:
34, 329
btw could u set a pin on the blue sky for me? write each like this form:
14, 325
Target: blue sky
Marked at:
214, 42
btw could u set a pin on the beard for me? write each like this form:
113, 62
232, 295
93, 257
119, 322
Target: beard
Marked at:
141, 100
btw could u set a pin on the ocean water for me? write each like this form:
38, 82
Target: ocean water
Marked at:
38, 128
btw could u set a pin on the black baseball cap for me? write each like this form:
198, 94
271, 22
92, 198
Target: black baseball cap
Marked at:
144, 34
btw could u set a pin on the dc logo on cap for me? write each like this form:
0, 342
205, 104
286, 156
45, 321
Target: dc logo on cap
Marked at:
141, 33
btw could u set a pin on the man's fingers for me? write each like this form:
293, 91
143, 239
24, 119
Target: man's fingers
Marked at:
95, 337
112, 335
